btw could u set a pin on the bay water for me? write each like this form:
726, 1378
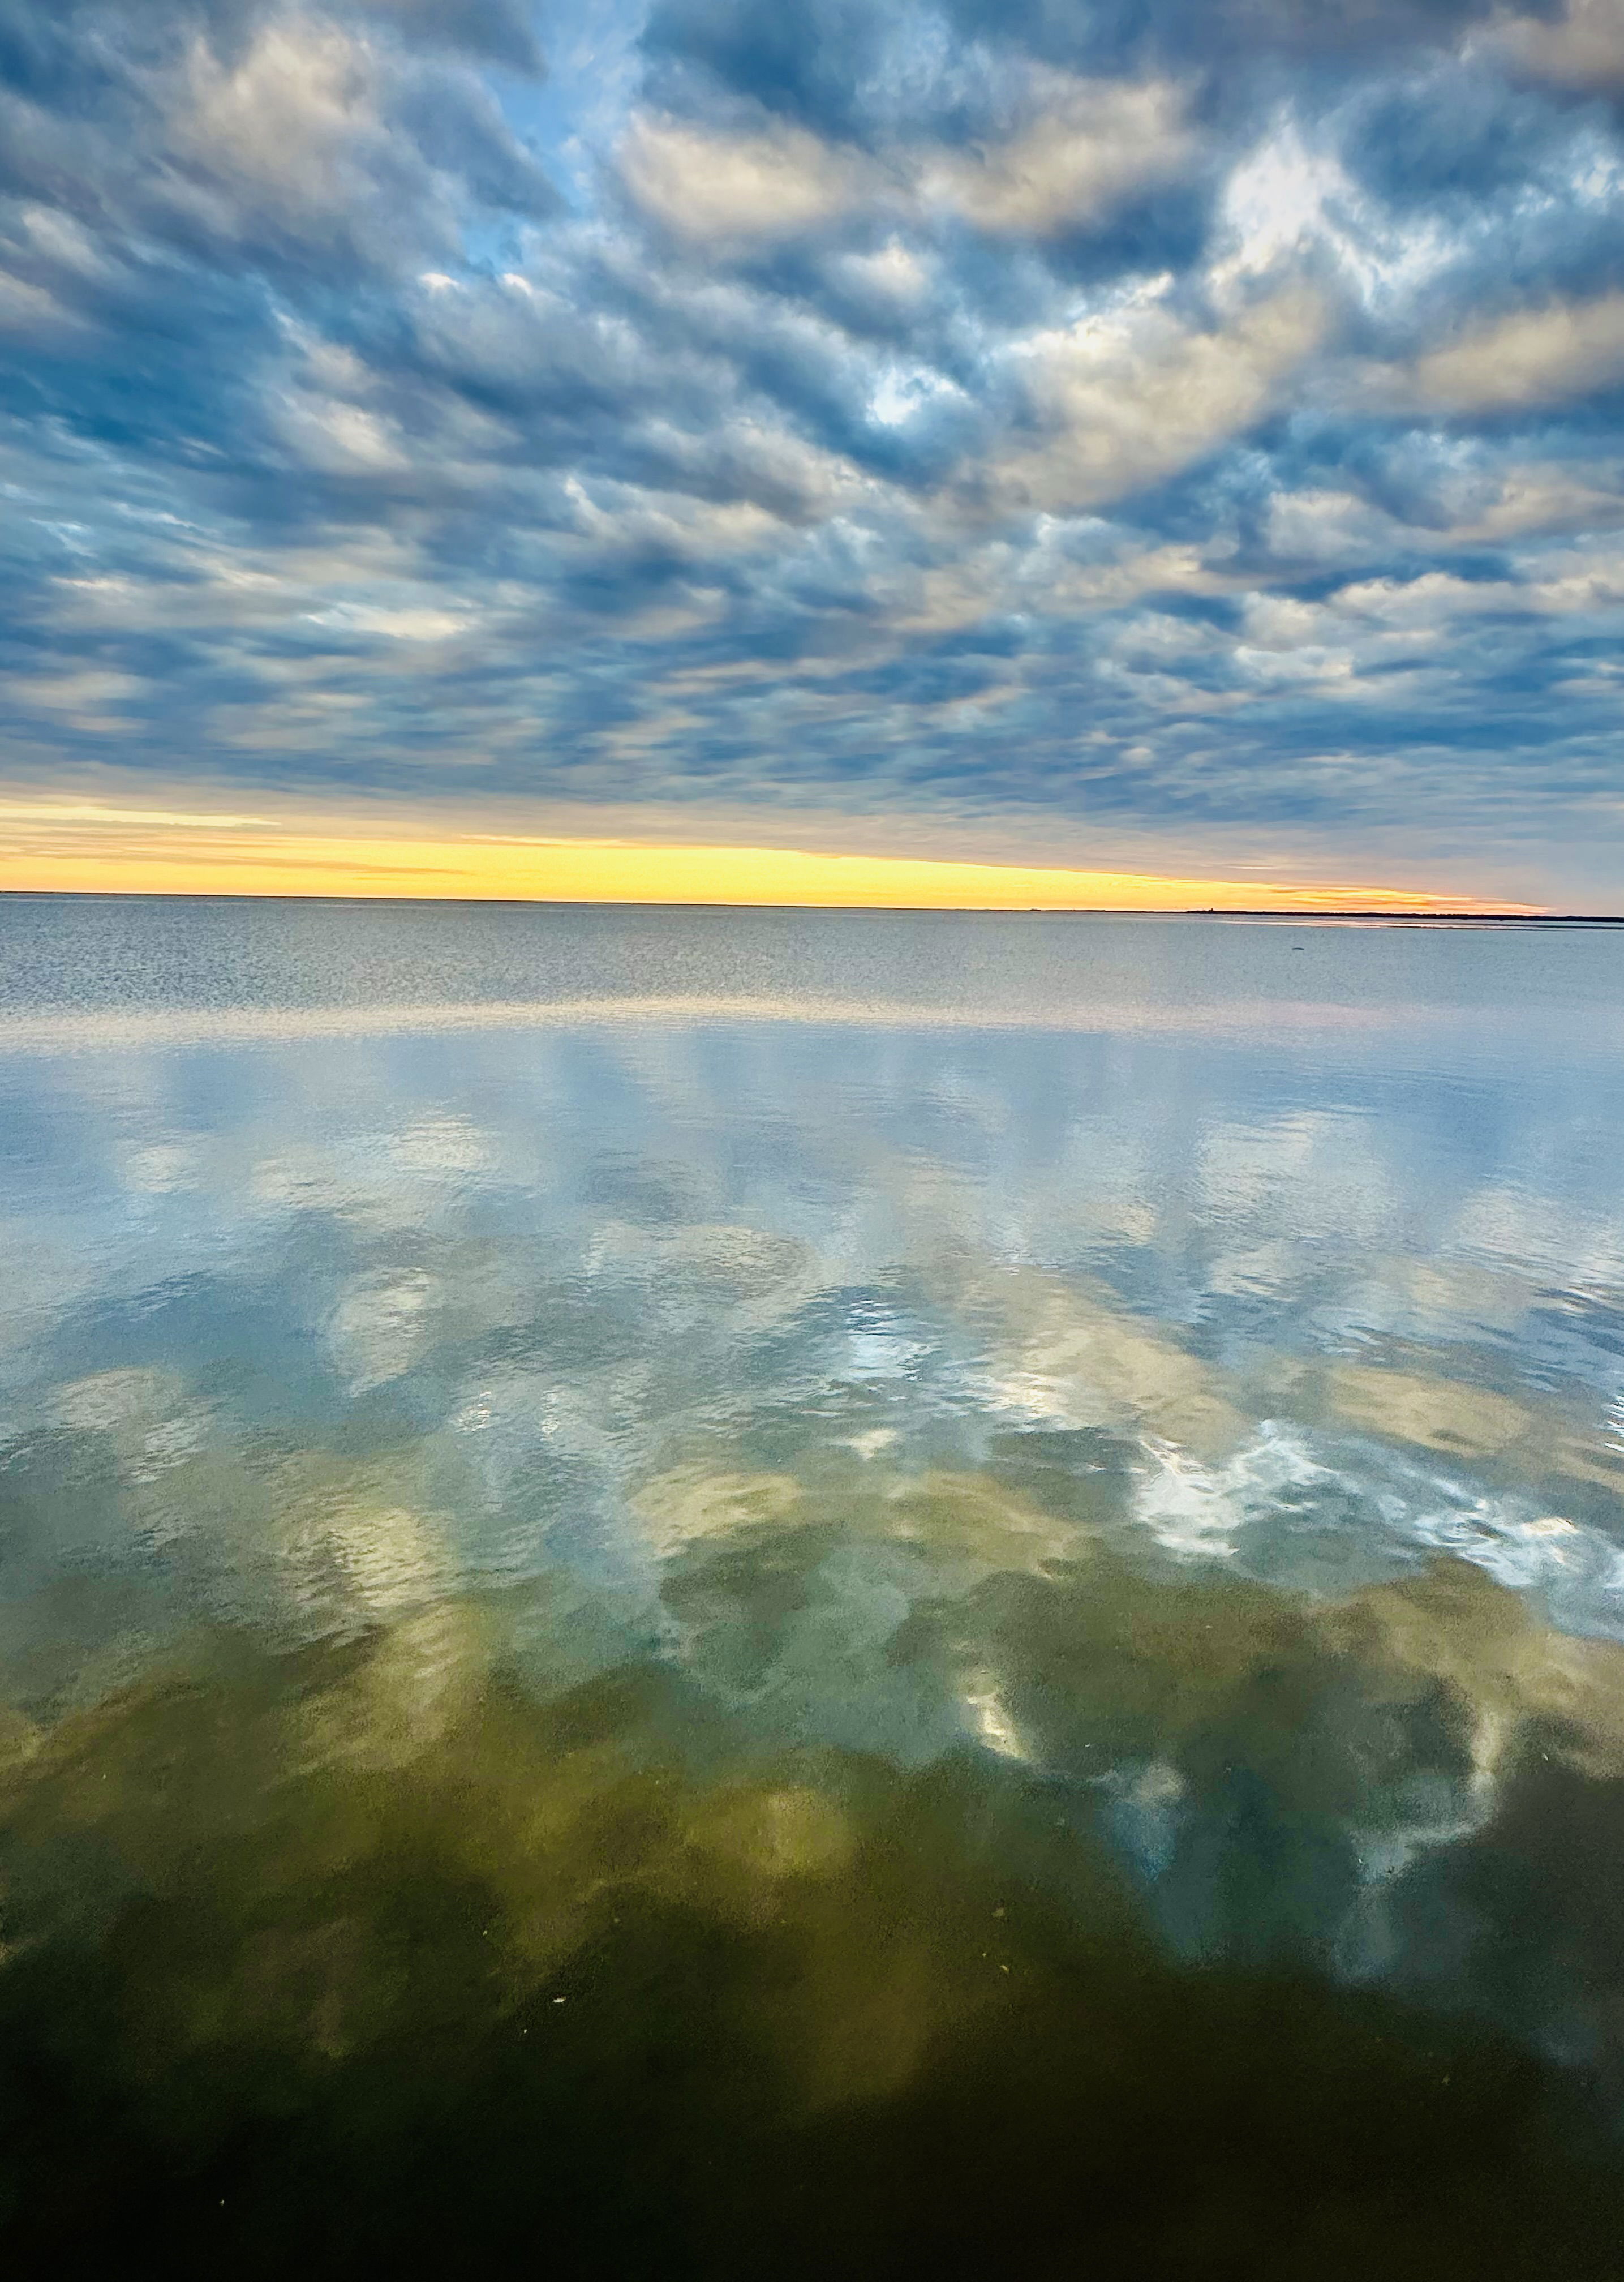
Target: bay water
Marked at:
734, 1593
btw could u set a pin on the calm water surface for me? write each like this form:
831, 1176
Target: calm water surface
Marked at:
727, 1594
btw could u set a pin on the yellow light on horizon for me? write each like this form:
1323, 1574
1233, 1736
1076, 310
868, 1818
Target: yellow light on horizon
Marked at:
82, 847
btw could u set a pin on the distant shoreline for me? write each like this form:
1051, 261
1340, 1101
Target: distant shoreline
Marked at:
1425, 918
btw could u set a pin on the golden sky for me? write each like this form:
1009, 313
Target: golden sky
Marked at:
83, 845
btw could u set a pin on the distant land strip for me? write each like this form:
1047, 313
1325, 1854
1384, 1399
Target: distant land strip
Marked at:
1405, 918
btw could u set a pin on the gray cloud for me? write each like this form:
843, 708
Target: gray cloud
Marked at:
1064, 424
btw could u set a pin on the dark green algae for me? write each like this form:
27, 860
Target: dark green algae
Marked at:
337, 1960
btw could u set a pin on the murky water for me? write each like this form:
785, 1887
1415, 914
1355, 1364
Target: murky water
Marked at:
727, 1594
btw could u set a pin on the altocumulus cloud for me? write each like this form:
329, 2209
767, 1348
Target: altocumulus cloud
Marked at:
1198, 424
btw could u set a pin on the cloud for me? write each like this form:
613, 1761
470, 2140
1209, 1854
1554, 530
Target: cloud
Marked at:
1087, 144
498, 31
31, 309
1583, 48
252, 134
1076, 149
742, 186
1531, 357
1129, 397
1144, 435
292, 123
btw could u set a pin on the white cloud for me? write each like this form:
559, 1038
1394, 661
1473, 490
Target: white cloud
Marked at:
902, 391
1129, 396
1090, 144
1082, 146
336, 439
423, 623
1284, 197
707, 186
895, 277
1533, 356
286, 124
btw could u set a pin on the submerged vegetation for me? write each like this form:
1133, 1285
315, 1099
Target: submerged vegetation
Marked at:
381, 1946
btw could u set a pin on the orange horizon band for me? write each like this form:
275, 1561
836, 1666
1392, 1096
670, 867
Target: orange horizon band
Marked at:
51, 851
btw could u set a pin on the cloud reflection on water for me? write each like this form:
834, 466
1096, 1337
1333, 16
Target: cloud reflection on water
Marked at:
1199, 1440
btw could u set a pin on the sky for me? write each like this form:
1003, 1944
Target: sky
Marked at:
1170, 452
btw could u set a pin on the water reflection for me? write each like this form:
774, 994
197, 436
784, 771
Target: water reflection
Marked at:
913, 1564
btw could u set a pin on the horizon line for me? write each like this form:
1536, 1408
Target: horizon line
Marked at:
1418, 912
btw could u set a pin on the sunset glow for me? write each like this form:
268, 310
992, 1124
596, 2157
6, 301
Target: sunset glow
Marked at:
85, 847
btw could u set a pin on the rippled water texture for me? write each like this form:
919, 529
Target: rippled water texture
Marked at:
730, 1594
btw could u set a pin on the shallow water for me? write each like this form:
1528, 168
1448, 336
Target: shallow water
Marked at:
729, 1593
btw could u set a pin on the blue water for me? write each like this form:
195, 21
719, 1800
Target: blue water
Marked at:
584, 1424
